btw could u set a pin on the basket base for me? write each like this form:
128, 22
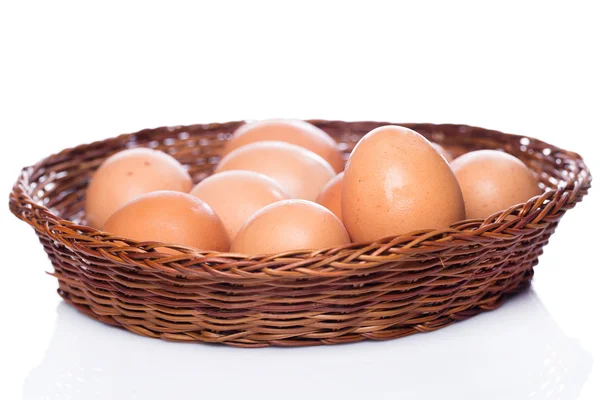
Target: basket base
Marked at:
489, 302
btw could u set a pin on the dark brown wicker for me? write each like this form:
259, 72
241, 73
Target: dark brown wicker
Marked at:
394, 287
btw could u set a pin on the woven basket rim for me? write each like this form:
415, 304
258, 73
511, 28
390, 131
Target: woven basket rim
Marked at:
332, 261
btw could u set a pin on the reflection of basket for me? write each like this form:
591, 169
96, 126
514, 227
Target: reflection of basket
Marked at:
417, 282
517, 352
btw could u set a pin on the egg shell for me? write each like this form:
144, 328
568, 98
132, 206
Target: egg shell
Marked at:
290, 225
172, 218
236, 195
493, 181
300, 172
296, 132
396, 182
331, 195
445, 153
130, 174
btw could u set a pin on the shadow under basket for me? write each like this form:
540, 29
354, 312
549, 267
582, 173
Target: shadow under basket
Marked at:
394, 287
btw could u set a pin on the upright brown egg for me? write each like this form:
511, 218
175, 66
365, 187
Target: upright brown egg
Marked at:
296, 132
129, 174
396, 182
170, 217
300, 172
290, 225
331, 196
236, 195
492, 181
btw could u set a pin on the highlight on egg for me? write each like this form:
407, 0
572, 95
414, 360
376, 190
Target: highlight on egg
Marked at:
445, 153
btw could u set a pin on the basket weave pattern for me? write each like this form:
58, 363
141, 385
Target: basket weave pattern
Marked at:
394, 287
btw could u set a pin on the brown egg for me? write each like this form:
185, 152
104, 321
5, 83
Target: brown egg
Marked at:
396, 182
290, 225
236, 195
129, 174
442, 151
296, 132
172, 218
331, 196
300, 172
492, 181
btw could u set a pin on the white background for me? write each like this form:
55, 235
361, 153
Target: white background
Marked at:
74, 72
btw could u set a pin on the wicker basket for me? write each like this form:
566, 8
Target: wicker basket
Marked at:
394, 287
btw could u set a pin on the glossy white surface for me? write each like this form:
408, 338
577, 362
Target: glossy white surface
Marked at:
518, 352
78, 73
